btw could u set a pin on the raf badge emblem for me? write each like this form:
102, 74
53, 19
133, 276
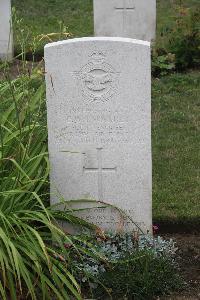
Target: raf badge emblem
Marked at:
98, 79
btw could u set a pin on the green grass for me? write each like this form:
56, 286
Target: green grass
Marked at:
76, 15
42, 17
166, 17
176, 140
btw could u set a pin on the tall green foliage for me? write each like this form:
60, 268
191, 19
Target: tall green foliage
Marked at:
28, 263
184, 40
177, 46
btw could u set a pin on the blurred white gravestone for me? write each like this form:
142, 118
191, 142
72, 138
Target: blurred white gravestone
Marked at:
6, 43
126, 18
99, 126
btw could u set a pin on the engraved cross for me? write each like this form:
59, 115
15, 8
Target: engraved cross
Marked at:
100, 170
125, 8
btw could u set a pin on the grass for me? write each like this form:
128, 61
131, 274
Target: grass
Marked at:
42, 17
76, 15
176, 140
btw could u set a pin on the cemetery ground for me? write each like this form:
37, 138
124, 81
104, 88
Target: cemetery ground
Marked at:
175, 113
77, 16
175, 142
175, 98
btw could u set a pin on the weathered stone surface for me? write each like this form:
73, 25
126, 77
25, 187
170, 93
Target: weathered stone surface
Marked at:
99, 125
6, 43
125, 18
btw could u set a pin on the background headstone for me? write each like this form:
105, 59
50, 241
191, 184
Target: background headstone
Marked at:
125, 18
99, 125
6, 43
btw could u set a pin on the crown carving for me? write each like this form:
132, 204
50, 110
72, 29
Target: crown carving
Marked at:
98, 56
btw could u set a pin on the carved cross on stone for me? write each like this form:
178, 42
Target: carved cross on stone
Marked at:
125, 8
100, 170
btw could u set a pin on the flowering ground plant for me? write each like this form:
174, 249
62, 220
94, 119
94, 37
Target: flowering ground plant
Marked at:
130, 264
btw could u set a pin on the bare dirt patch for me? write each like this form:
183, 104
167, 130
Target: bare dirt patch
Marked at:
189, 261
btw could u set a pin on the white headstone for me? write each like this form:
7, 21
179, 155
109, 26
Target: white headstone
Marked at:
126, 18
99, 125
6, 43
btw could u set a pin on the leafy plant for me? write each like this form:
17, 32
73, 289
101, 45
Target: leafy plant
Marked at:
182, 48
162, 64
140, 276
134, 266
184, 40
177, 45
28, 264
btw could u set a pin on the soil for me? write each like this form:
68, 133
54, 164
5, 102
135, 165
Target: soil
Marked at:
189, 262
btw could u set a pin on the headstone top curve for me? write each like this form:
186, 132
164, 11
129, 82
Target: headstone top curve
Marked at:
93, 39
